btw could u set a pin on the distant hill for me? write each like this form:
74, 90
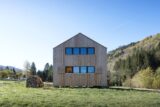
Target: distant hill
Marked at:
10, 68
147, 44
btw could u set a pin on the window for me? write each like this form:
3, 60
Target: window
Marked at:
83, 51
76, 51
91, 69
68, 51
76, 69
80, 51
69, 69
80, 69
91, 51
83, 69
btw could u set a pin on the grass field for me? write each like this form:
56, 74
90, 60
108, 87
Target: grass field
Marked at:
15, 94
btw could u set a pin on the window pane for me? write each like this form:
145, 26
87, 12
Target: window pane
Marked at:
68, 51
91, 69
83, 69
83, 51
76, 69
91, 51
76, 51
69, 69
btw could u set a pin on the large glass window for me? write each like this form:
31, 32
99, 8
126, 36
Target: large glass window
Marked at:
80, 51
76, 51
76, 69
83, 51
80, 69
91, 69
68, 51
83, 69
69, 69
91, 50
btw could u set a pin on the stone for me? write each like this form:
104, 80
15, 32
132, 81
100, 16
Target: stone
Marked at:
34, 82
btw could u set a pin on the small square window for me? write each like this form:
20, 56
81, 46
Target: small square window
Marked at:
68, 51
76, 69
69, 69
83, 69
91, 69
83, 51
76, 51
91, 51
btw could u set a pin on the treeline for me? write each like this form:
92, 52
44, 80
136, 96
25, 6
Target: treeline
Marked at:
29, 69
46, 74
140, 60
10, 73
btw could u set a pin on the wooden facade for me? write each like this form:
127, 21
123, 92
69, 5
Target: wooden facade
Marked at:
61, 60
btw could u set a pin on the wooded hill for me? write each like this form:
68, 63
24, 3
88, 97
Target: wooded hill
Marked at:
125, 62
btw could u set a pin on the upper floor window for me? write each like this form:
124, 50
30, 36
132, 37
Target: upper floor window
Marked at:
80, 51
68, 51
91, 50
83, 51
76, 51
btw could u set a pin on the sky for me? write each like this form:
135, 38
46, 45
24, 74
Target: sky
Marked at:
29, 29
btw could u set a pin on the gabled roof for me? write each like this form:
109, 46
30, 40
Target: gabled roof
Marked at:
80, 34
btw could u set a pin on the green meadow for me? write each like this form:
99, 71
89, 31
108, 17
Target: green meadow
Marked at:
15, 94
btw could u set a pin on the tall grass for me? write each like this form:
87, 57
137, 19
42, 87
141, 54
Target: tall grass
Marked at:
15, 94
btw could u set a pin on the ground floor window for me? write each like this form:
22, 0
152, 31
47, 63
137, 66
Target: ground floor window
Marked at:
80, 69
76, 69
69, 69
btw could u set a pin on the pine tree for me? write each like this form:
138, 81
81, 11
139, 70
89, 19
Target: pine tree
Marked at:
33, 68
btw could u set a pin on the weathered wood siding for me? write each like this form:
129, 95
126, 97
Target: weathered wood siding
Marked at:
99, 60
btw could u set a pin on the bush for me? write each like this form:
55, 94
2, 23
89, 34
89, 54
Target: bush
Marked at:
143, 79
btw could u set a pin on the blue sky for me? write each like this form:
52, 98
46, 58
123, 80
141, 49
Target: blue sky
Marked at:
29, 29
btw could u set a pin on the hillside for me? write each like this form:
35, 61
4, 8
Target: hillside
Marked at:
136, 64
10, 68
147, 44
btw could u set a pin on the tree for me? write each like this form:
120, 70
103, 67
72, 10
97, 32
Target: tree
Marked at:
33, 69
50, 73
46, 72
27, 68
14, 73
40, 74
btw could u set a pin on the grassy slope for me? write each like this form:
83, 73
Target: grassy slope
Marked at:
16, 95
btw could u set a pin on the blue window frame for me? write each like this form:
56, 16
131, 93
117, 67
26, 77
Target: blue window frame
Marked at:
79, 51
91, 69
76, 51
83, 51
91, 51
83, 69
76, 69
68, 51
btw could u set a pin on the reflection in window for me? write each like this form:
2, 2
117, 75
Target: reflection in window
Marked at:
69, 69
76, 69
76, 51
68, 51
83, 51
83, 69
91, 51
91, 69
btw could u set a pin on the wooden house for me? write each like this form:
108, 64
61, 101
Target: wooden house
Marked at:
80, 62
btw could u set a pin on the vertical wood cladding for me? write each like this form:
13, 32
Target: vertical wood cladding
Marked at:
61, 60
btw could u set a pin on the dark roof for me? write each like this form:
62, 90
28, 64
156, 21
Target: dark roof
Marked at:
81, 35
